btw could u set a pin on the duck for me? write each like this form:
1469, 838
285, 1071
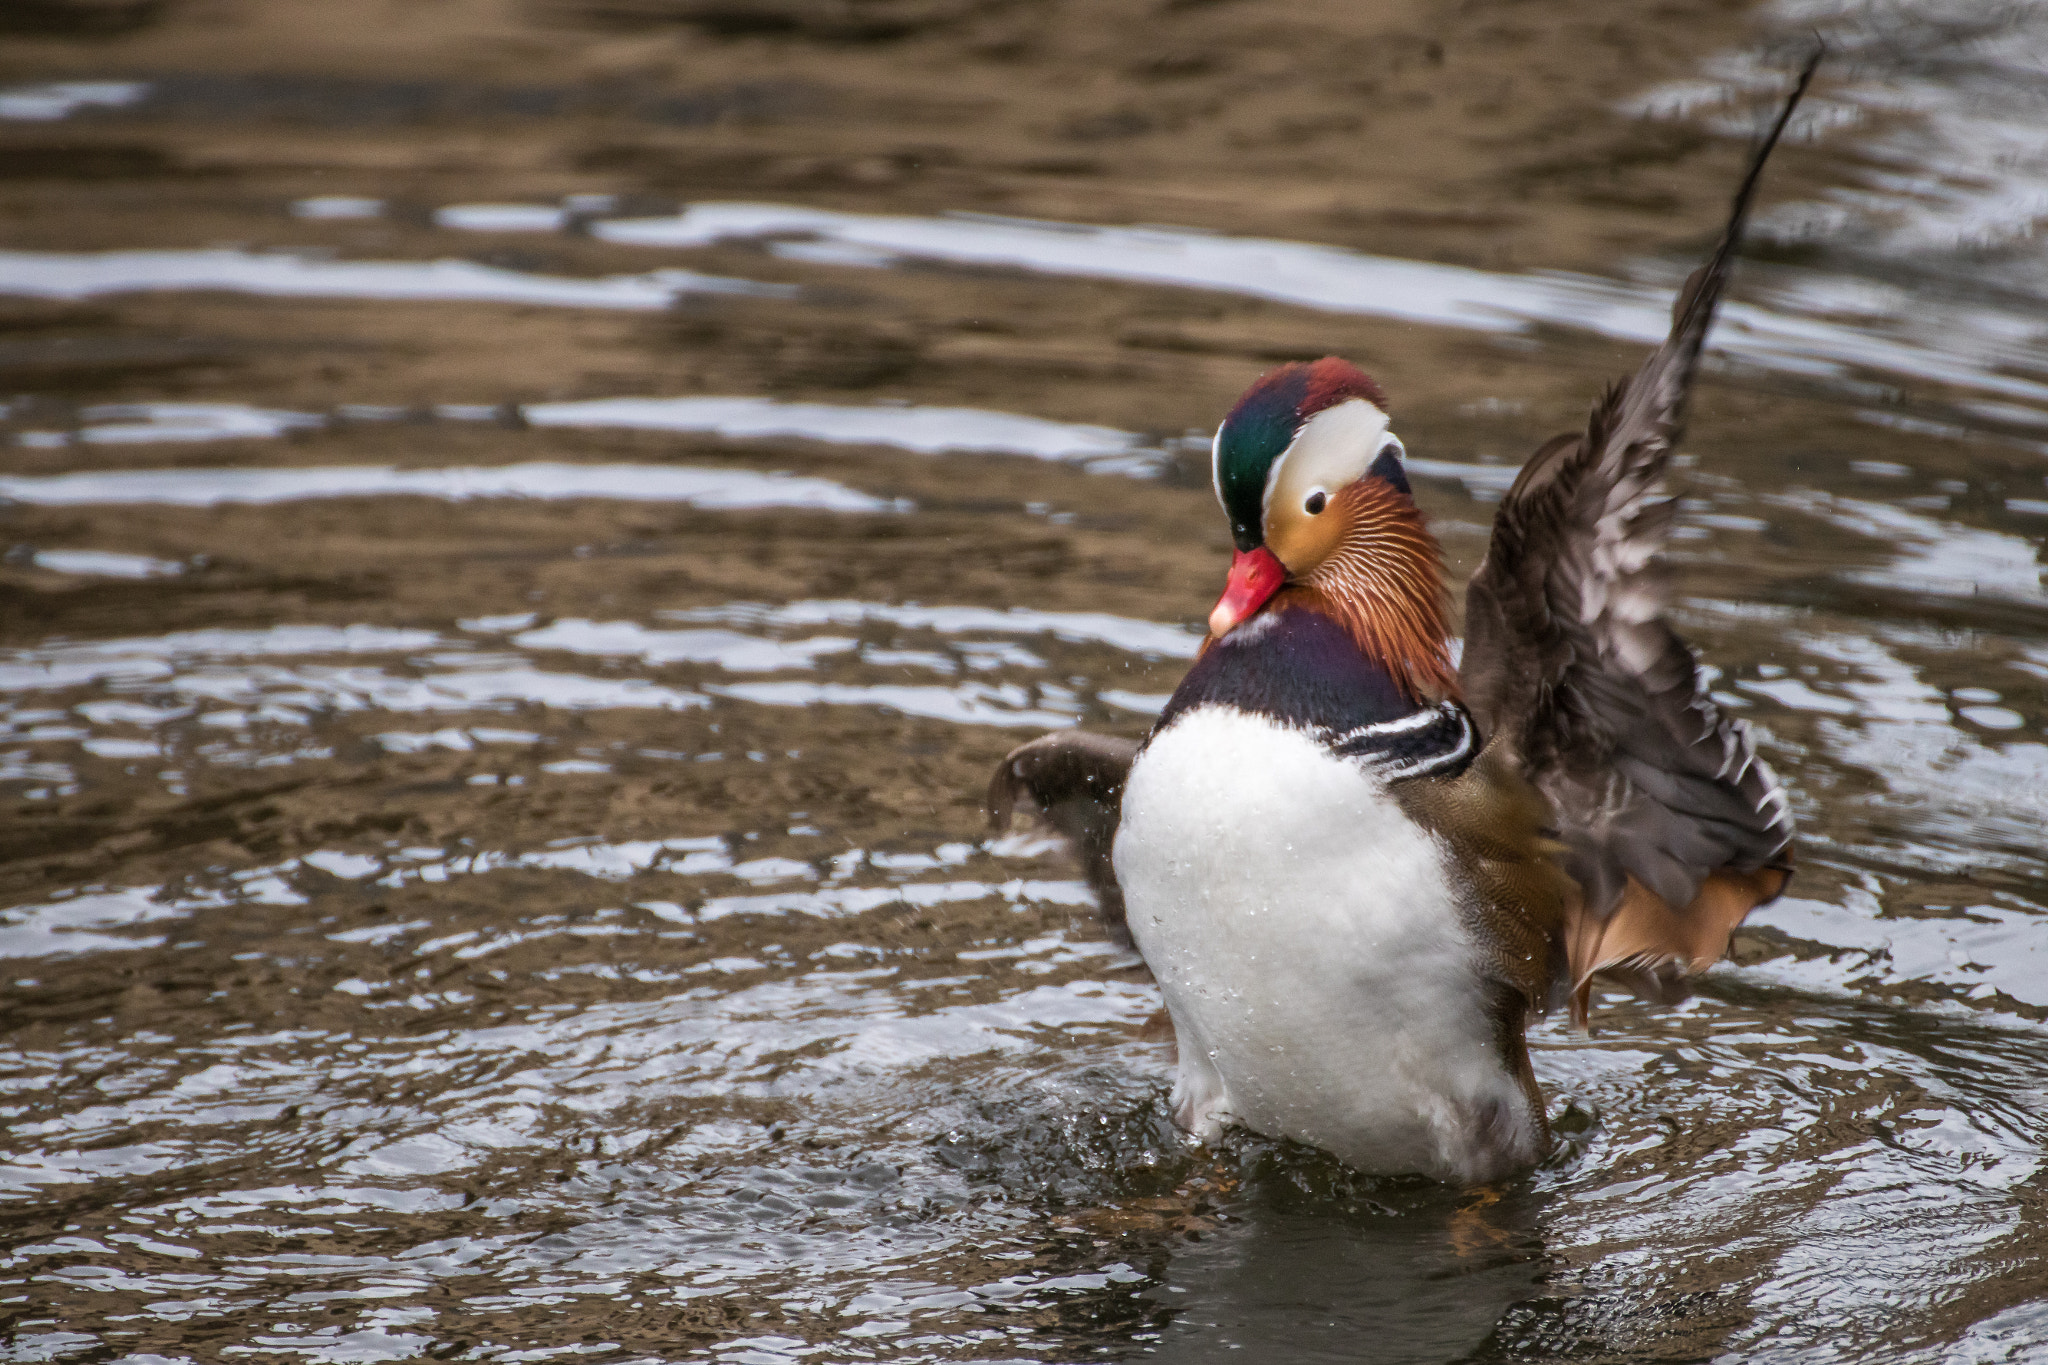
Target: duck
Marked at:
1359, 862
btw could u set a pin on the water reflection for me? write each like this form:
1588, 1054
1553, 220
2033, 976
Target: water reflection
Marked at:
716, 488
1802, 332
85, 275
333, 206
1935, 556
145, 423
61, 99
1963, 173
1408, 1284
290, 695
494, 870
929, 430
104, 563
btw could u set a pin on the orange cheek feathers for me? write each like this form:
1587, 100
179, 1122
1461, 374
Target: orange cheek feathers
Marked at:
1255, 575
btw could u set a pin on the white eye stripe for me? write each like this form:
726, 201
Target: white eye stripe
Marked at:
1332, 449
1216, 463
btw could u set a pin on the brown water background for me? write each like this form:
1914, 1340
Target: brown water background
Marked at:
492, 862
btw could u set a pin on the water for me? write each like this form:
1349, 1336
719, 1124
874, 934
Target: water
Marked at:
523, 536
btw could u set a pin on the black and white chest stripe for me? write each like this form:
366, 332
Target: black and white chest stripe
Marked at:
1437, 741
1302, 671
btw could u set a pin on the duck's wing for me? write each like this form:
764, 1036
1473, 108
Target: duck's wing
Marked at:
1075, 781
1672, 826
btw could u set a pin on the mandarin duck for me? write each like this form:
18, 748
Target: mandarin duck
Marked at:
1357, 871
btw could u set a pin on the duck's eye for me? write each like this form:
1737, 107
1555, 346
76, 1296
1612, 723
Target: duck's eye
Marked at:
1317, 501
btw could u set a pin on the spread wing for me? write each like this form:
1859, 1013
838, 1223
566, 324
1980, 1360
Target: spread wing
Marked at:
1672, 826
1075, 780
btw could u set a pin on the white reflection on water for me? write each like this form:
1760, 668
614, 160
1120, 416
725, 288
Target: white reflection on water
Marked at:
1971, 802
1888, 1162
1935, 556
288, 695
729, 650
105, 564
967, 703
928, 430
1943, 104
140, 423
229, 691
837, 902
868, 1058
1880, 713
61, 99
1290, 272
850, 1034
502, 217
330, 206
1980, 951
1961, 345
363, 689
155, 656
75, 925
1144, 703
717, 489
84, 275
925, 430
1078, 627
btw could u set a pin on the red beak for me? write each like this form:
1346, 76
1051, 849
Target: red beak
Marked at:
1255, 575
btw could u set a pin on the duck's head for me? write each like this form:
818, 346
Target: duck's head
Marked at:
1312, 480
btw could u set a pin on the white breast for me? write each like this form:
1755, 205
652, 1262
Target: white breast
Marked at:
1309, 943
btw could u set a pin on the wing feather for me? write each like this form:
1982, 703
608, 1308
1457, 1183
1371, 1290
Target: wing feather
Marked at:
1075, 781
1571, 660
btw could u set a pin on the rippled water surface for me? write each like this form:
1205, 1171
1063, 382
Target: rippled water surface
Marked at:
524, 529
